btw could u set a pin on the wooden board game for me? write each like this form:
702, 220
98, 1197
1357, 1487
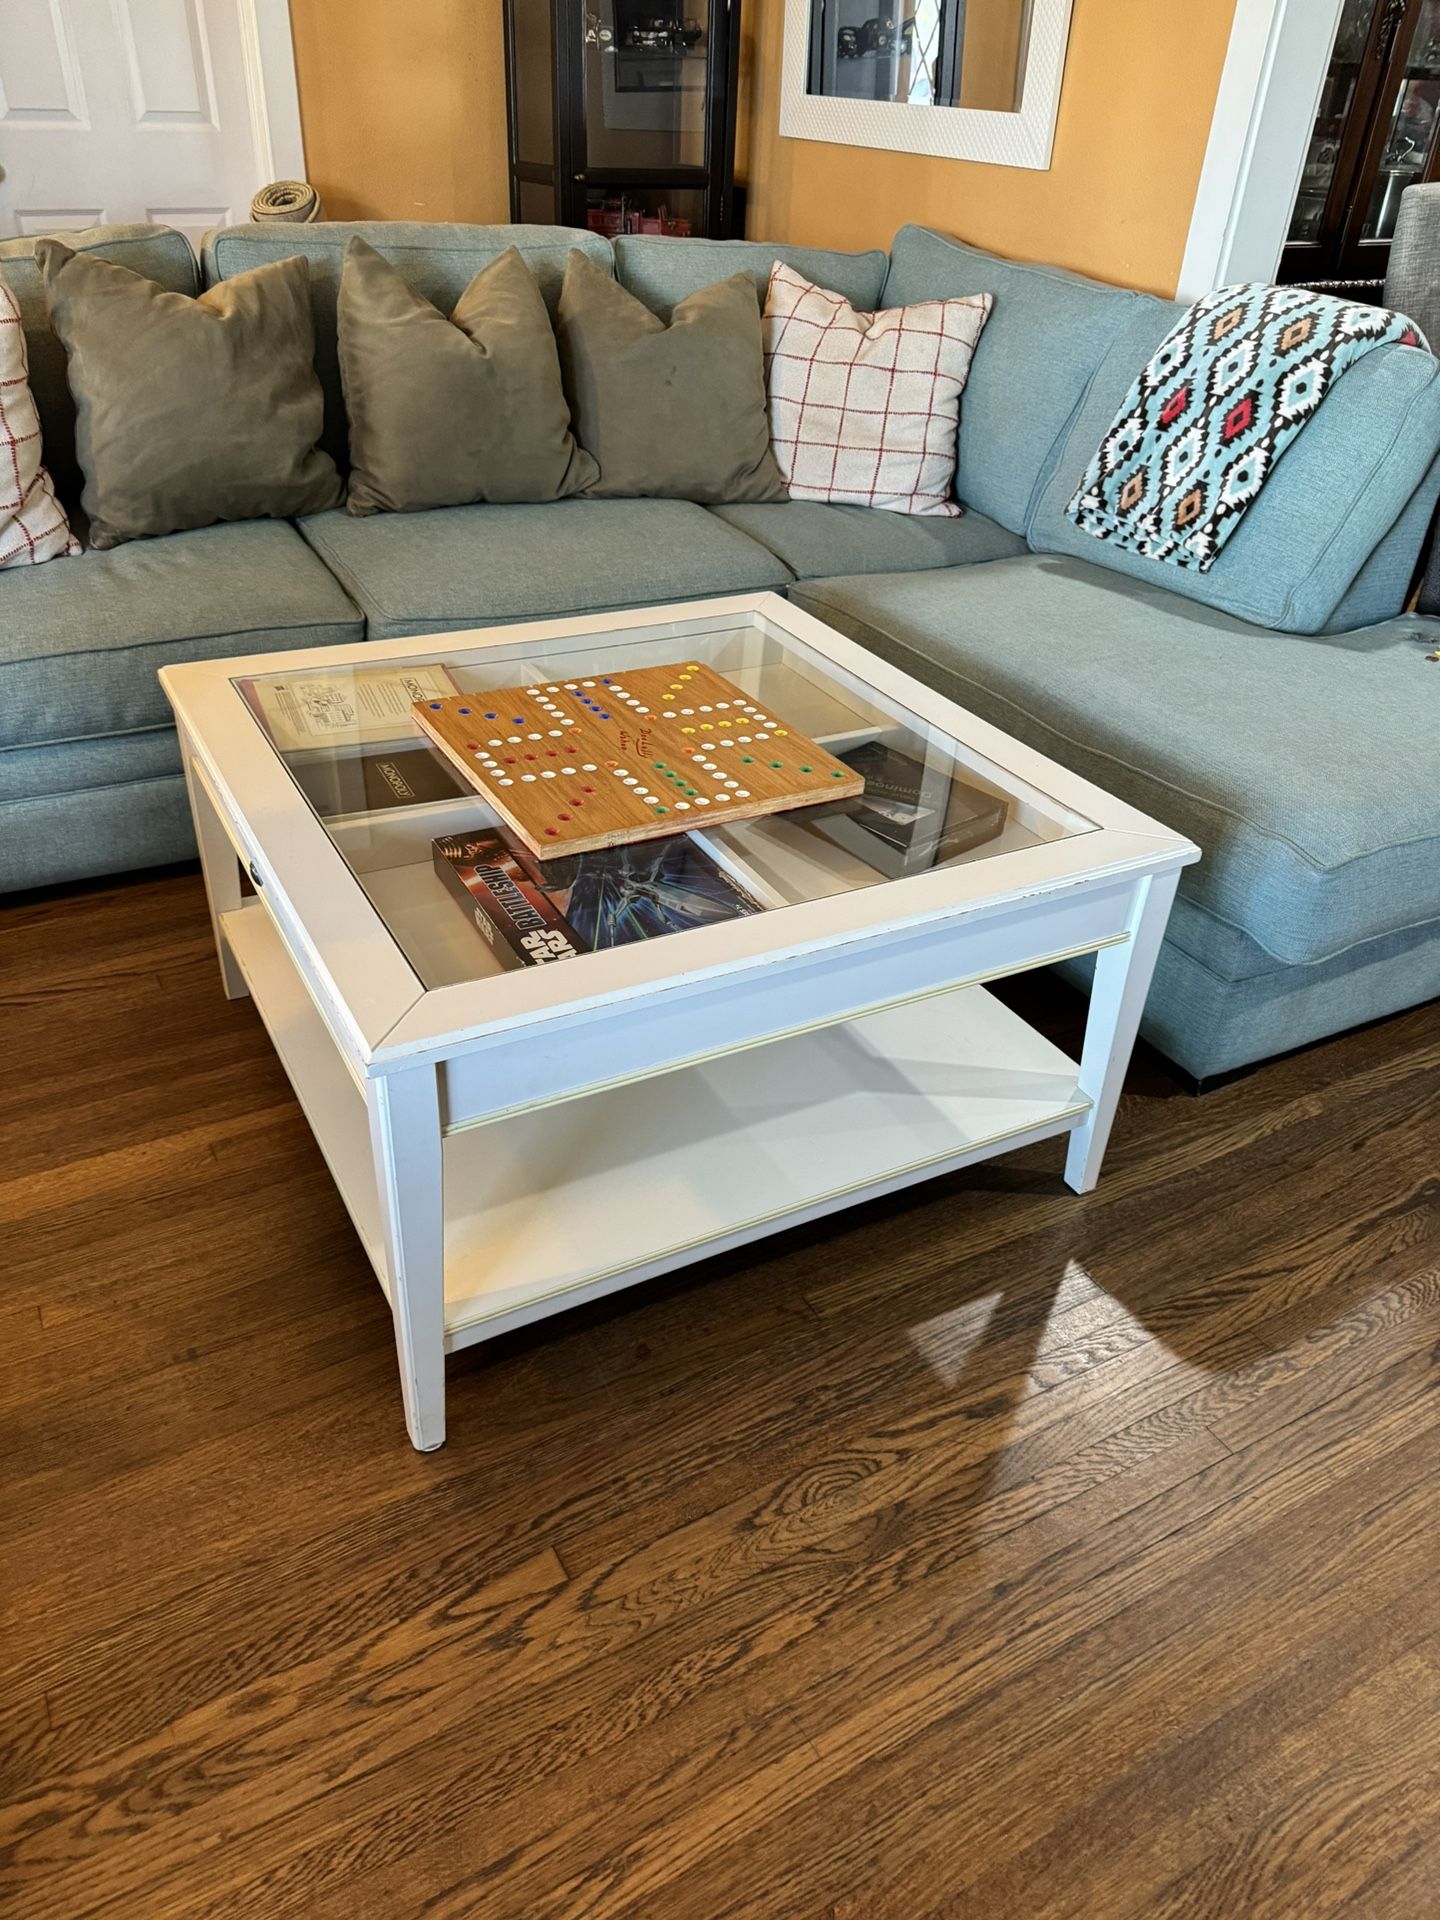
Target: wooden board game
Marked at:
578, 764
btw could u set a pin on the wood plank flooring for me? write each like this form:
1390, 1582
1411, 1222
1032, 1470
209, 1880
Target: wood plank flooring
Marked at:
987, 1553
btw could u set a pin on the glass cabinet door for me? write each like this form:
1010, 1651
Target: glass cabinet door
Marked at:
1344, 80
1409, 147
646, 84
532, 84
622, 114
1377, 132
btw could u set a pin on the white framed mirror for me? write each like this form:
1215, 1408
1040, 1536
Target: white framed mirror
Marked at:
956, 79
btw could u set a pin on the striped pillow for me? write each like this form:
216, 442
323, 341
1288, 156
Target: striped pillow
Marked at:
33, 526
865, 407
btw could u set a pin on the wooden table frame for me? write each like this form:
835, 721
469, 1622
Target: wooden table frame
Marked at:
395, 1079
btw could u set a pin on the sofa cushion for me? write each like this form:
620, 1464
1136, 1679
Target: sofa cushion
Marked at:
446, 409
92, 831
81, 644
80, 766
33, 523
1210, 1024
1305, 767
1048, 333
1382, 586
1332, 500
814, 538
662, 272
671, 410
865, 407
190, 411
160, 253
483, 565
438, 261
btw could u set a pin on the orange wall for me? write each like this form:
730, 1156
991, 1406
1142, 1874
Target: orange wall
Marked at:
403, 107
1139, 89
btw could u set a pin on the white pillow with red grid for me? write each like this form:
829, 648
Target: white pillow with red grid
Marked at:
865, 407
33, 526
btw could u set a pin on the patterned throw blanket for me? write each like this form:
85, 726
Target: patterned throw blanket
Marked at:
1226, 392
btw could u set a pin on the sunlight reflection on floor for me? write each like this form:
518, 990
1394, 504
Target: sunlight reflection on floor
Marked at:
946, 1342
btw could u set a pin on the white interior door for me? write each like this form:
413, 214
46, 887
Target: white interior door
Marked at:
164, 110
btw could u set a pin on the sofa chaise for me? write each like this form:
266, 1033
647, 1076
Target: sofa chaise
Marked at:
1280, 708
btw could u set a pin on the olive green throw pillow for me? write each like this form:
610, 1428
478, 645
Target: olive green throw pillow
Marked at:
677, 411
447, 411
189, 411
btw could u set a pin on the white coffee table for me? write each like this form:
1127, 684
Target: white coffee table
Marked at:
510, 1143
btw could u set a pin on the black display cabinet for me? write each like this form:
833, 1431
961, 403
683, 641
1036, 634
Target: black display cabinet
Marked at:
622, 114
1377, 131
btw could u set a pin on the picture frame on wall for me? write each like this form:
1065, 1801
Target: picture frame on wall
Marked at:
859, 74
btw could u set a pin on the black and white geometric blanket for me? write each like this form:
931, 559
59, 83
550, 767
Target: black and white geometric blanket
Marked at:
1221, 399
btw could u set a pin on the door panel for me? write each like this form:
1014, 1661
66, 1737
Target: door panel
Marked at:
167, 49
116, 110
39, 73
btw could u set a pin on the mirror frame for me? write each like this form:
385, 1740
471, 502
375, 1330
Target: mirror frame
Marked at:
1023, 138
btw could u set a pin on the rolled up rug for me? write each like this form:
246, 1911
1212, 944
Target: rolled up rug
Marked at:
294, 200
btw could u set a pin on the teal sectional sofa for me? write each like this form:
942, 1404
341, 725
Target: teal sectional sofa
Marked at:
1280, 709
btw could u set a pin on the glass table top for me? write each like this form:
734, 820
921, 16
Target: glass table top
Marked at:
463, 897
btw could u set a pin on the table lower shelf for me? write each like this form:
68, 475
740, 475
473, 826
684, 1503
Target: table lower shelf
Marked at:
552, 1207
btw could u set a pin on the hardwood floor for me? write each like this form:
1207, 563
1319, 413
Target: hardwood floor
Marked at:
989, 1553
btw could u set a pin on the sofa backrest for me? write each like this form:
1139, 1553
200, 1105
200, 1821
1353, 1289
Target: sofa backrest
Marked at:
1329, 543
438, 260
661, 272
1333, 535
1046, 335
160, 253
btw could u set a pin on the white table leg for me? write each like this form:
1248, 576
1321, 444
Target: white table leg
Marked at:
1117, 998
406, 1144
220, 868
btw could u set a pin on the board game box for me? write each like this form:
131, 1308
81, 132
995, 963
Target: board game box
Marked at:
371, 782
533, 912
911, 816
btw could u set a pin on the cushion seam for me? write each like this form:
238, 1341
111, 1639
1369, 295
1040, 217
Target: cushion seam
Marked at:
167, 640
519, 618
548, 246
938, 565
432, 626
1256, 613
372, 607
116, 246
87, 739
110, 786
366, 603
1039, 267
764, 246
1050, 465
1286, 966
